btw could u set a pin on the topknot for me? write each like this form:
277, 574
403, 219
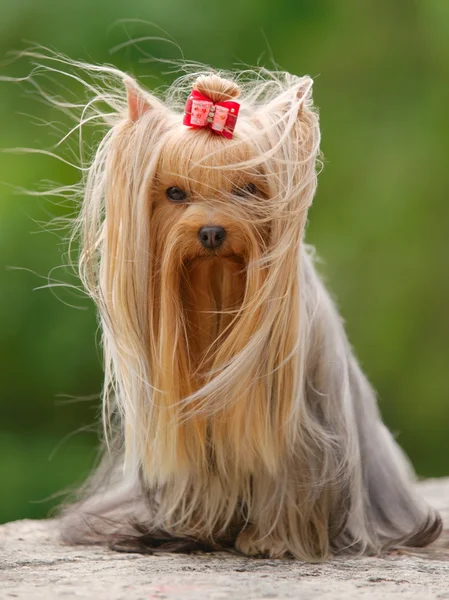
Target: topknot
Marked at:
216, 88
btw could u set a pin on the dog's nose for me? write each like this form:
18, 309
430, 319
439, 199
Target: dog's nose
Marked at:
212, 236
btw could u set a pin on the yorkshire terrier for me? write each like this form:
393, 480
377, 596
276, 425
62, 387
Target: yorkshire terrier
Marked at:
235, 412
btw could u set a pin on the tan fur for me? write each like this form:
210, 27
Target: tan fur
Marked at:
235, 410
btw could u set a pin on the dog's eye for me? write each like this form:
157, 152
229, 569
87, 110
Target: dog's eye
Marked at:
175, 194
249, 189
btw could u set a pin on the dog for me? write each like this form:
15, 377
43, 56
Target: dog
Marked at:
236, 415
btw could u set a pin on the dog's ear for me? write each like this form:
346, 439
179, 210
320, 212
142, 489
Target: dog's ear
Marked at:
139, 100
296, 99
304, 93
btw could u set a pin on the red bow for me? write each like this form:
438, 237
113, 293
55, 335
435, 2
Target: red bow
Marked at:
201, 111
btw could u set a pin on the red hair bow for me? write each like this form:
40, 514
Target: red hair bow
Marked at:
201, 111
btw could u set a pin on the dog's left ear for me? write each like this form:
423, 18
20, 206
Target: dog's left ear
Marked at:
139, 100
304, 93
296, 99
300, 95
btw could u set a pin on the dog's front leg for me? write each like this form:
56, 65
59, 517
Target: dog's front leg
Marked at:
251, 543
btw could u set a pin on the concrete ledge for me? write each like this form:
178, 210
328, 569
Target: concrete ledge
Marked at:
34, 565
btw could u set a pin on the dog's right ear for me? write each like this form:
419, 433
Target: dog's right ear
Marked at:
139, 101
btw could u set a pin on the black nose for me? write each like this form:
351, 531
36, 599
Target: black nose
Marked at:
212, 237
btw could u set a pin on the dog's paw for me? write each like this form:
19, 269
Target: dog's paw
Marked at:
250, 543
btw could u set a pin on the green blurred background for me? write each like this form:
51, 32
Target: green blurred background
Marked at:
380, 219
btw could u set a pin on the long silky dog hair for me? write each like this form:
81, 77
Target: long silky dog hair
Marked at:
235, 412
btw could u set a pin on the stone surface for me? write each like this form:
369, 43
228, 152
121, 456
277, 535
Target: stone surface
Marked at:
34, 565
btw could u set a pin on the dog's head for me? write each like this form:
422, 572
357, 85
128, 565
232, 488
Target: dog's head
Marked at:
224, 194
198, 240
